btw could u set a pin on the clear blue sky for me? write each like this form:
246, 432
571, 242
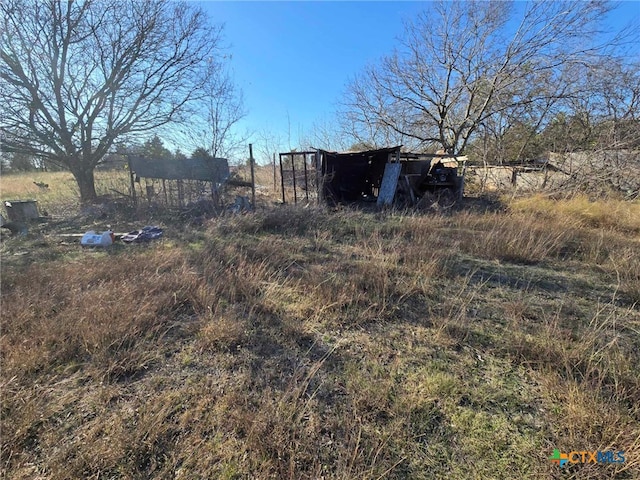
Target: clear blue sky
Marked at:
293, 59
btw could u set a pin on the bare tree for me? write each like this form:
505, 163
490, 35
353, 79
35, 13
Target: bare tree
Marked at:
461, 64
77, 75
326, 134
616, 86
598, 144
214, 124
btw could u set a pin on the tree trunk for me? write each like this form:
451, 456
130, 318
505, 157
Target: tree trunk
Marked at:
86, 184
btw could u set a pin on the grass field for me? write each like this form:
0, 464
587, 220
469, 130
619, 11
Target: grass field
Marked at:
300, 343
61, 196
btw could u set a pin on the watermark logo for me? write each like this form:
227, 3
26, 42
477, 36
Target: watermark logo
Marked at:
559, 458
597, 456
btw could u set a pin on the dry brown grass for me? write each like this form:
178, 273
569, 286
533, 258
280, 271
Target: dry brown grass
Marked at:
296, 343
600, 213
62, 195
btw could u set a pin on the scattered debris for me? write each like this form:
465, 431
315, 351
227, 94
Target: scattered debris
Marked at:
202, 207
16, 228
146, 234
21, 210
242, 204
106, 207
97, 239
386, 176
389, 184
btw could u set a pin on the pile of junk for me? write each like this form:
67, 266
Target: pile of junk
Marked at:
107, 238
386, 176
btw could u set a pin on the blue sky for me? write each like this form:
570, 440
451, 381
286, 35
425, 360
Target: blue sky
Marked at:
293, 59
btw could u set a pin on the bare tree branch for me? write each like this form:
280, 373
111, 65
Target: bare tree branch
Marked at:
78, 75
214, 123
462, 63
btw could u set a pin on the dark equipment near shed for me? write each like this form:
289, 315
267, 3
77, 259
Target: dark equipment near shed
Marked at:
385, 176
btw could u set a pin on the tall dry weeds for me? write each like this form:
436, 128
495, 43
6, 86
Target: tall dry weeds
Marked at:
298, 343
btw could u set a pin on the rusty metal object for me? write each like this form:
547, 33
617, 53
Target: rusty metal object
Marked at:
385, 176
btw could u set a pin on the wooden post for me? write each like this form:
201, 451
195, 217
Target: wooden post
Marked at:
275, 186
306, 183
253, 178
214, 194
180, 193
282, 180
461, 187
319, 177
150, 192
293, 175
133, 185
164, 190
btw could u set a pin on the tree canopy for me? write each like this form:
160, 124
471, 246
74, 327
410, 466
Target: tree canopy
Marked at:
80, 74
468, 67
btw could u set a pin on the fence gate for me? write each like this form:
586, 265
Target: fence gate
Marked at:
178, 182
299, 176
